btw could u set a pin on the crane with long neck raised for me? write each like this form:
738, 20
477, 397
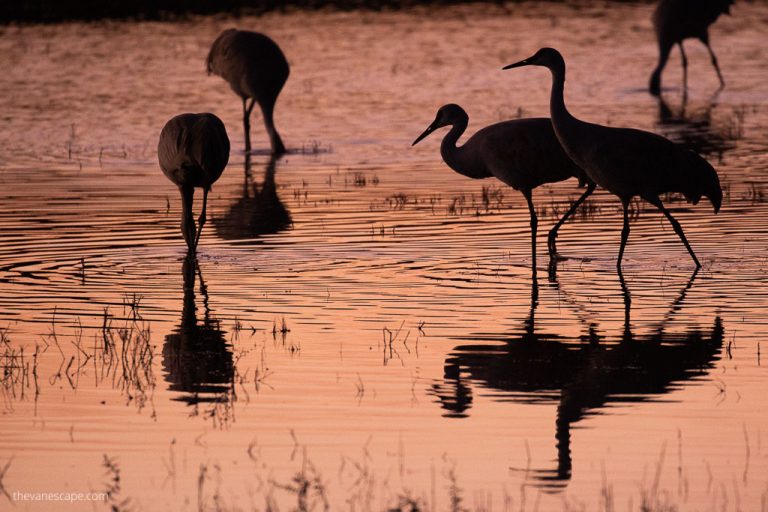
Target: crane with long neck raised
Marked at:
625, 161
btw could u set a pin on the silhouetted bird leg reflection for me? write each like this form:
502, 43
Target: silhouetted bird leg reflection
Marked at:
676, 304
627, 307
698, 129
197, 360
631, 367
585, 317
247, 173
578, 374
204, 293
189, 268
259, 211
454, 394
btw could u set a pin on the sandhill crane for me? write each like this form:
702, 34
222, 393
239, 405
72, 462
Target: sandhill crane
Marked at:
193, 151
625, 161
256, 69
677, 20
523, 153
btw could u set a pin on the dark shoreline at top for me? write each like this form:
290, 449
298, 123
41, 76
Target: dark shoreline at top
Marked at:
53, 11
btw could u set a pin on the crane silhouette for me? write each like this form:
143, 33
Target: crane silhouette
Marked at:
197, 359
625, 161
583, 376
677, 20
259, 211
256, 69
193, 151
522, 153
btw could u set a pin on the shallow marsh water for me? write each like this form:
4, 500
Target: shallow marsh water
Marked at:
361, 319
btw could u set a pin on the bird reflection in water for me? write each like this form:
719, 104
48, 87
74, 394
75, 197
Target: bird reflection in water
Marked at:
580, 374
697, 128
258, 212
197, 359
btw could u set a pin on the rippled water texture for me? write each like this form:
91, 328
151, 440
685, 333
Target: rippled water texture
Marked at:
361, 329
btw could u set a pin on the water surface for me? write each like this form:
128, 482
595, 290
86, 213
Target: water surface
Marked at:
361, 322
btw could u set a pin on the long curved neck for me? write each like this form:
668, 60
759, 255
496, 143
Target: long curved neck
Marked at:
568, 129
459, 158
561, 118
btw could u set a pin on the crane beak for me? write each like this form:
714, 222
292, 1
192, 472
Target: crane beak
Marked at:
526, 62
429, 130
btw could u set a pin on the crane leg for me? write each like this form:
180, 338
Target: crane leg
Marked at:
201, 220
685, 67
624, 232
534, 224
715, 64
654, 87
247, 124
676, 226
267, 111
551, 239
187, 220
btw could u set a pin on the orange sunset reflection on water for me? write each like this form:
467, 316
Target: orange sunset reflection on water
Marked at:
360, 329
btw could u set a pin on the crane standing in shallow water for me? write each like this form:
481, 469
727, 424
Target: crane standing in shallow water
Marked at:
193, 151
677, 20
625, 161
523, 153
256, 69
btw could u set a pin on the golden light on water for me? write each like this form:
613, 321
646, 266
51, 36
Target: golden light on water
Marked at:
361, 318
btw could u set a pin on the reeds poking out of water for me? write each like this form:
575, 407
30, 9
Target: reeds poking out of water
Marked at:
460, 205
127, 359
294, 482
3, 472
755, 194
389, 340
282, 329
315, 147
119, 353
359, 179
19, 372
113, 487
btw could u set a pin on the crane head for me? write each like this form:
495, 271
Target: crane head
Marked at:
447, 115
547, 57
